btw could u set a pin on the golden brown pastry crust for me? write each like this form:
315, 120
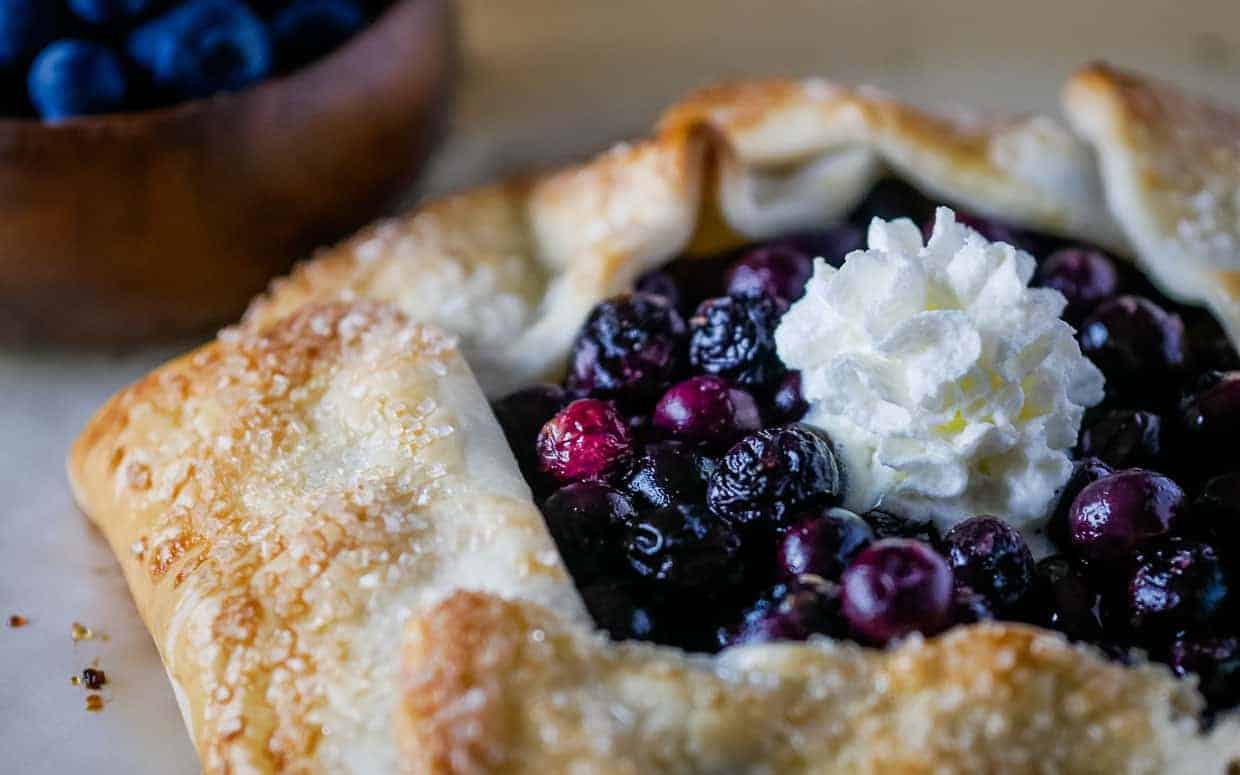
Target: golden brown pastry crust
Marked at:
286, 499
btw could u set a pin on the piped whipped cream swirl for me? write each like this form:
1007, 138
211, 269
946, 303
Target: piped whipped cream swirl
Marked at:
949, 387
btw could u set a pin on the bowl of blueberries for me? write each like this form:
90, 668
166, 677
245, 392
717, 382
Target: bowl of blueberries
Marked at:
160, 160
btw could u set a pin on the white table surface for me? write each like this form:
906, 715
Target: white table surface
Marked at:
543, 80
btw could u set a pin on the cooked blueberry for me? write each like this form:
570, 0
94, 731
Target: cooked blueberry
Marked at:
831, 244
706, 408
970, 606
308, 29
1210, 422
684, 549
989, 556
663, 474
202, 47
1215, 660
615, 608
523, 414
76, 77
585, 519
770, 475
823, 544
778, 269
787, 403
888, 525
1211, 347
631, 344
1085, 471
1216, 511
896, 587
1124, 438
1138, 345
106, 11
1085, 278
659, 283
25, 27
1177, 584
734, 337
1065, 600
808, 607
583, 440
1118, 513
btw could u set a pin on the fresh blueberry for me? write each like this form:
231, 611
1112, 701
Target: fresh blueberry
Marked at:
808, 607
1065, 600
663, 474
970, 607
787, 403
1085, 472
615, 608
989, 556
76, 77
585, 519
1138, 345
1215, 660
734, 337
659, 283
777, 269
308, 29
888, 525
1210, 422
107, 11
773, 474
523, 414
823, 544
583, 440
1177, 584
1118, 513
1124, 438
1085, 277
706, 408
25, 27
896, 587
632, 344
685, 550
202, 47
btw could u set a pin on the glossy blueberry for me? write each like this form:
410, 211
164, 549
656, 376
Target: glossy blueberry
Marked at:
1177, 584
76, 77
989, 556
308, 29
773, 474
659, 283
896, 587
25, 27
706, 408
1138, 345
822, 544
523, 414
1085, 277
1085, 471
1124, 438
684, 549
792, 613
583, 440
1210, 421
106, 11
1065, 601
1114, 515
202, 47
970, 607
1216, 512
888, 525
585, 519
616, 608
1215, 660
664, 473
632, 344
734, 337
778, 269
787, 404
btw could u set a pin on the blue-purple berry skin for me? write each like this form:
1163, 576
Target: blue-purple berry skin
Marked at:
706, 408
26, 26
1124, 438
778, 269
795, 612
1113, 516
75, 78
822, 544
1139, 346
897, 587
632, 345
990, 556
1177, 584
734, 337
585, 519
1085, 277
769, 476
307, 29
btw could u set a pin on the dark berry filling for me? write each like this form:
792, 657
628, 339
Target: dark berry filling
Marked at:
694, 509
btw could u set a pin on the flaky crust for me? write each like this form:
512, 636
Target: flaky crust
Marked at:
287, 500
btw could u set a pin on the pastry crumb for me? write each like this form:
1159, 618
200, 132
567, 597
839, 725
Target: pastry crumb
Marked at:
94, 703
81, 632
17, 620
94, 679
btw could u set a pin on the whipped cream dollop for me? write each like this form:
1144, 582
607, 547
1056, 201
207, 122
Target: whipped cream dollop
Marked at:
948, 386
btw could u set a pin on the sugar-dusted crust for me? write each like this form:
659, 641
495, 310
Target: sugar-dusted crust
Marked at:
499, 686
293, 500
1171, 163
281, 502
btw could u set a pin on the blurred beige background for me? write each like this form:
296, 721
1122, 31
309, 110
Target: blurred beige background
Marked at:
543, 80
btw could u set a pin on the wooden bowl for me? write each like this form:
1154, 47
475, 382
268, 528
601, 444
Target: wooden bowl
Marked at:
158, 224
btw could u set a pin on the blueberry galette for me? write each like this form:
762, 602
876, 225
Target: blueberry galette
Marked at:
815, 434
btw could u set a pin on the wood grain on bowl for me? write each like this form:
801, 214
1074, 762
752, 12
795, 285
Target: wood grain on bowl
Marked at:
121, 228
